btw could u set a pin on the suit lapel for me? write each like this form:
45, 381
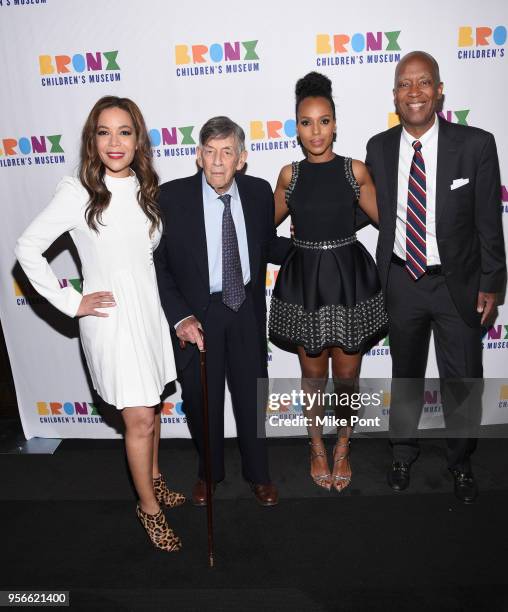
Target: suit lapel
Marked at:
195, 226
250, 217
446, 154
391, 149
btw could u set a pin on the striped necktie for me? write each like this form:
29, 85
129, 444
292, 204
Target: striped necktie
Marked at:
233, 290
416, 230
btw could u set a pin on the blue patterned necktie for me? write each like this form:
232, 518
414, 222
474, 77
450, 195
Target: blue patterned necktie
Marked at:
416, 225
233, 290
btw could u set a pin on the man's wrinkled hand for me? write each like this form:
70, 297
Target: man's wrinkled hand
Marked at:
190, 330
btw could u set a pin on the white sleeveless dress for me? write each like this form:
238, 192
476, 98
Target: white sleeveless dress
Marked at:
129, 354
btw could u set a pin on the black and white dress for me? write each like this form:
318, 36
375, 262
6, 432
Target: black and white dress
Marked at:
327, 292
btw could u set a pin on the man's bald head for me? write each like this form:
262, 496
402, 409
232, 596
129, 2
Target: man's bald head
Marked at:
417, 92
427, 57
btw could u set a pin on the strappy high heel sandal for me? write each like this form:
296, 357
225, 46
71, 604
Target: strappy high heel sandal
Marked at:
158, 530
164, 496
322, 480
340, 482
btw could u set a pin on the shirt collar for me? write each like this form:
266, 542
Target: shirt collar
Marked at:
426, 138
210, 194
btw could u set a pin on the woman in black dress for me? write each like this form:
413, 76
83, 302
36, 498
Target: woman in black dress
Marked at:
327, 299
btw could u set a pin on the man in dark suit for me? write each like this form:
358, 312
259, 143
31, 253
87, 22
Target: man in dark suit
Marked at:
440, 255
211, 269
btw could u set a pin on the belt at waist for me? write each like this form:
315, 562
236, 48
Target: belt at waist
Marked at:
326, 244
217, 296
430, 270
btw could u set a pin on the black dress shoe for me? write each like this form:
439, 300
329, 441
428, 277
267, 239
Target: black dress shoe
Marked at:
398, 476
466, 489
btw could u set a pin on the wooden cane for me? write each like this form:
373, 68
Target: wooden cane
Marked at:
207, 458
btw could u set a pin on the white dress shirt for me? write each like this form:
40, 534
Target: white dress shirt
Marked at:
213, 209
429, 154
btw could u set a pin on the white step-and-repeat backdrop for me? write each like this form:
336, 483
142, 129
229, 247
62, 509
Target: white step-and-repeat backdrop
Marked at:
183, 63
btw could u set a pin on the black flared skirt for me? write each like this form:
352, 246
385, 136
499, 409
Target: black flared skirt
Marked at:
328, 297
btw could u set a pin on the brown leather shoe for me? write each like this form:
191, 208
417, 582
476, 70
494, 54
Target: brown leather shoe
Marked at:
266, 494
199, 492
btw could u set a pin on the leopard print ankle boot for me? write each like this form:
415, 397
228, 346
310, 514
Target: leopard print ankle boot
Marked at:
165, 496
158, 530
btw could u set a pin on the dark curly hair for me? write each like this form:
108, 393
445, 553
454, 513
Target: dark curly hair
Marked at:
314, 85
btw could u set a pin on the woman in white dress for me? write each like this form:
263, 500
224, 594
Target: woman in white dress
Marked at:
112, 215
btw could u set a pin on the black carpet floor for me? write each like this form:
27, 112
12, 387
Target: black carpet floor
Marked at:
67, 522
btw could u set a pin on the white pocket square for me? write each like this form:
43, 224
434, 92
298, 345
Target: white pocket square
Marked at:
459, 183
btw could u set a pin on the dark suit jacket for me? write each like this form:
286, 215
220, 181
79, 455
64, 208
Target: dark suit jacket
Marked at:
469, 227
181, 259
